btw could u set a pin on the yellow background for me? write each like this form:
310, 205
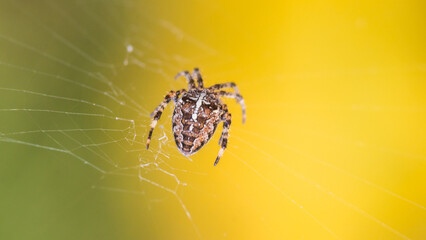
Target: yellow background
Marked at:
333, 145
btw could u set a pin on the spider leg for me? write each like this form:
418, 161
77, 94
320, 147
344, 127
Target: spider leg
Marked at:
226, 118
159, 110
178, 93
191, 83
237, 97
224, 85
224, 110
196, 74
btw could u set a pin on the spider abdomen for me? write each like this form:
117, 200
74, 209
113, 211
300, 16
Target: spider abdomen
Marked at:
195, 119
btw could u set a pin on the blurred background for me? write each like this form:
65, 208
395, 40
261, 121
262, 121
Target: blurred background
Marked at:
333, 146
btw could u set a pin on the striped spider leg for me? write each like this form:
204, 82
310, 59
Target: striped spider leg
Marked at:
197, 75
221, 86
223, 142
237, 97
191, 83
172, 95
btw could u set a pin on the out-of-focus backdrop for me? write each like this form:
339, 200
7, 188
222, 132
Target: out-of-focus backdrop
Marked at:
333, 146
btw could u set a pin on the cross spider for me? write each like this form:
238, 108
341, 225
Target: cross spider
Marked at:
197, 113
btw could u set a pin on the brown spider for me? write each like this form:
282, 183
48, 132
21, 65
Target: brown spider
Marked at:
197, 113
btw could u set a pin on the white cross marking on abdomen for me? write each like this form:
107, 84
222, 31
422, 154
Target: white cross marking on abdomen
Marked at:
197, 106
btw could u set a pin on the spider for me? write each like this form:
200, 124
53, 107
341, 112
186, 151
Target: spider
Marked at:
197, 113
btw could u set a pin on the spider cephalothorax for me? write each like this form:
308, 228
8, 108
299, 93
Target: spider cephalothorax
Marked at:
197, 113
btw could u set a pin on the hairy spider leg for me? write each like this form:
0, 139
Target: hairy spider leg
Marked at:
224, 85
159, 110
224, 110
226, 118
197, 75
237, 97
178, 93
191, 83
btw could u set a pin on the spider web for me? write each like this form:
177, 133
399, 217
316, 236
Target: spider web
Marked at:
76, 92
